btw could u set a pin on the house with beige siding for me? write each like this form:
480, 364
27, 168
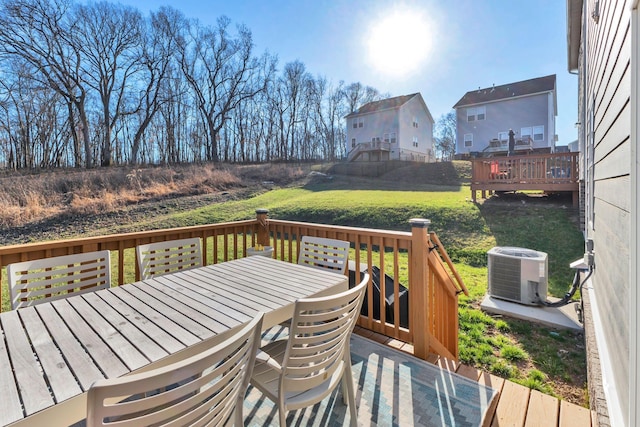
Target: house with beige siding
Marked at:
398, 128
604, 51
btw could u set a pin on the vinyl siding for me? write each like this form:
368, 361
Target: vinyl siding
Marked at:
605, 88
503, 115
424, 131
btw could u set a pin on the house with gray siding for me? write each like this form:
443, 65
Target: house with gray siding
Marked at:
484, 118
398, 128
604, 50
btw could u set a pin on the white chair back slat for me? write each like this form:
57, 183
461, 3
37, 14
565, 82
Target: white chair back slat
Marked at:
156, 259
320, 252
316, 356
205, 389
37, 281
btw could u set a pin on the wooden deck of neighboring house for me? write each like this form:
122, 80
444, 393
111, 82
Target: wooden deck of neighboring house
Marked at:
516, 405
550, 173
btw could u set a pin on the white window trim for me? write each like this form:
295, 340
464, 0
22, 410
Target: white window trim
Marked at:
481, 111
471, 114
474, 112
465, 139
533, 133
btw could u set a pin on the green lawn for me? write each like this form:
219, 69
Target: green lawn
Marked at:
532, 355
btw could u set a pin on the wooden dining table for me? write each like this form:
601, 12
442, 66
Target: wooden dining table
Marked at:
51, 353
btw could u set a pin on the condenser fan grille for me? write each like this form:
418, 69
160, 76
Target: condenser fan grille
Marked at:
505, 278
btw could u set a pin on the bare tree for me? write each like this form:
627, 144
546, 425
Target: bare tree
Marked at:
329, 111
357, 95
156, 55
221, 72
40, 32
445, 140
107, 35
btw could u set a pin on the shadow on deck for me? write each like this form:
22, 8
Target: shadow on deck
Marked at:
515, 404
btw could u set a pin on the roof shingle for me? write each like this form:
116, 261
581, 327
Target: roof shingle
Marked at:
384, 104
495, 93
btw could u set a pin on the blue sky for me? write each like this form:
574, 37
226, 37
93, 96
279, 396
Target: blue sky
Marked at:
465, 44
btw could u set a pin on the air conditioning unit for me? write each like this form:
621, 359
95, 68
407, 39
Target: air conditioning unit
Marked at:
516, 274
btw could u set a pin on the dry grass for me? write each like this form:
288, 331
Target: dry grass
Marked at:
27, 198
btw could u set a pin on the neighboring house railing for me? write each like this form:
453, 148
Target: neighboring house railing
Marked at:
544, 172
416, 259
364, 147
502, 145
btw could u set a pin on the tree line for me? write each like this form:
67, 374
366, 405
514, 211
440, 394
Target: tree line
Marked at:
83, 85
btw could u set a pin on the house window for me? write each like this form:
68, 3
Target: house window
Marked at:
353, 142
503, 136
538, 133
415, 141
468, 140
476, 113
390, 137
360, 123
415, 122
355, 123
525, 133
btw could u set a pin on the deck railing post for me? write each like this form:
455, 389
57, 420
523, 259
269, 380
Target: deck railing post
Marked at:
419, 277
262, 215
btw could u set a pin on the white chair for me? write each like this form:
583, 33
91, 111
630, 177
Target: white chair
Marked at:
320, 252
205, 389
48, 279
156, 259
304, 368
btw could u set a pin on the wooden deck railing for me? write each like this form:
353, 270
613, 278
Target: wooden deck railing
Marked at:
544, 172
416, 259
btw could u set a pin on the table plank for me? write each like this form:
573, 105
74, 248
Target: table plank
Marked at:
175, 310
148, 347
214, 309
227, 293
80, 362
228, 286
102, 354
57, 372
31, 384
259, 283
147, 318
125, 350
298, 276
10, 406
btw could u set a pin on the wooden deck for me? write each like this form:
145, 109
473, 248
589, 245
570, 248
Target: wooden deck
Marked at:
542, 172
516, 405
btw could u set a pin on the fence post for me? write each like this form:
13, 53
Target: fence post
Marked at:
262, 215
419, 295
